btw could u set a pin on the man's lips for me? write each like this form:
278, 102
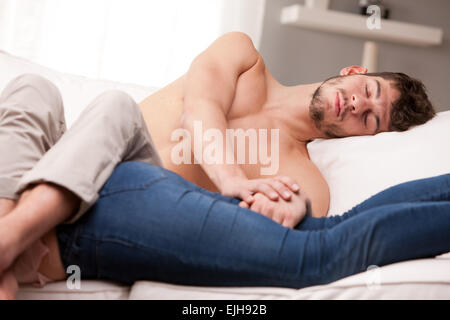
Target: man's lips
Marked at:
337, 104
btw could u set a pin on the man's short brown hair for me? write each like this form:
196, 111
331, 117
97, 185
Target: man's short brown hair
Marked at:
412, 107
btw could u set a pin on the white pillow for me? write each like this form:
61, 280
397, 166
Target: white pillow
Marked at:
76, 91
359, 167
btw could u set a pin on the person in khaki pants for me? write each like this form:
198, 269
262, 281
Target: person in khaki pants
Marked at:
111, 129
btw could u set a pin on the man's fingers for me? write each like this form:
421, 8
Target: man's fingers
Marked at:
281, 188
247, 196
243, 204
289, 182
278, 218
287, 223
268, 191
256, 206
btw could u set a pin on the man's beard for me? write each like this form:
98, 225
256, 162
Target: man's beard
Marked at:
317, 109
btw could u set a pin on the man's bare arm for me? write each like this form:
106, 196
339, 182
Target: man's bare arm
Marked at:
210, 86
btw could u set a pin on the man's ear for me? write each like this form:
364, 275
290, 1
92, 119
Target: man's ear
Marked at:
353, 70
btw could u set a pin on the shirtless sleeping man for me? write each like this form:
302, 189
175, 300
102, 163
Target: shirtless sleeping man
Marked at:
50, 198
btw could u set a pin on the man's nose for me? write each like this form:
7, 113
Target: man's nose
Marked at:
357, 104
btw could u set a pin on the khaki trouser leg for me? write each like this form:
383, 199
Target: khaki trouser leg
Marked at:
31, 122
35, 146
110, 130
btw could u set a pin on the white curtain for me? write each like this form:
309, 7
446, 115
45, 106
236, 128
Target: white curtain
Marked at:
148, 42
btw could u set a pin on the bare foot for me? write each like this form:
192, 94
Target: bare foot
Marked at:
6, 206
8, 285
8, 251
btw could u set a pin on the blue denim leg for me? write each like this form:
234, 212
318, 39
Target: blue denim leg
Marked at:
378, 236
428, 189
150, 224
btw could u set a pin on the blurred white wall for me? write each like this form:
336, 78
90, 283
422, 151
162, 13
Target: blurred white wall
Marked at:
296, 55
148, 42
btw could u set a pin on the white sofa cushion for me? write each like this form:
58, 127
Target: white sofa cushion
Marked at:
403, 280
76, 91
90, 290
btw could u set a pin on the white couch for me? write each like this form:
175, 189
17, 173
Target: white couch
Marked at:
355, 168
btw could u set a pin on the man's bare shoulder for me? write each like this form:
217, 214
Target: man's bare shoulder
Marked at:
235, 39
236, 47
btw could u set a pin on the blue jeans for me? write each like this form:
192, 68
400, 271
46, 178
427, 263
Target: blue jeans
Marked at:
151, 224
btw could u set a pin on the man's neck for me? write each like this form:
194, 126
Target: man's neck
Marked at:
291, 107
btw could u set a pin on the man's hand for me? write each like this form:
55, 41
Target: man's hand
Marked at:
271, 187
287, 213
